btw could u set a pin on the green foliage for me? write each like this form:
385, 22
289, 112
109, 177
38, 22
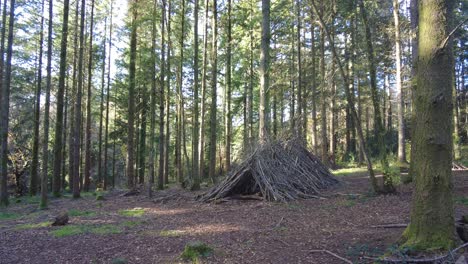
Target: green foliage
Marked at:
29, 200
99, 197
393, 173
195, 250
119, 261
461, 200
135, 212
464, 155
350, 171
170, 233
72, 230
69, 230
131, 223
105, 229
8, 215
75, 212
32, 226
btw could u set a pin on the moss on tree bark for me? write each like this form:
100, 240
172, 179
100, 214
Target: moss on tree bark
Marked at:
432, 221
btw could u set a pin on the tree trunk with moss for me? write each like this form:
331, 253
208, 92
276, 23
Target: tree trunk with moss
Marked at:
432, 215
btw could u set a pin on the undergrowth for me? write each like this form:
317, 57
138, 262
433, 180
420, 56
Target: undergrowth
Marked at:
135, 212
72, 230
193, 251
32, 226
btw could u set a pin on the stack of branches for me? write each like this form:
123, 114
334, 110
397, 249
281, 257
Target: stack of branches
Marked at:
278, 171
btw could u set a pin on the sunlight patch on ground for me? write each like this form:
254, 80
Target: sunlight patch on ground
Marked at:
135, 212
349, 171
194, 230
169, 211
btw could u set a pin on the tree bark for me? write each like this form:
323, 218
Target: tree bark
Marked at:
180, 107
101, 108
152, 155
214, 81
432, 214
201, 148
228, 123
195, 160
314, 86
74, 92
131, 99
87, 173
59, 127
168, 97
33, 188
399, 90
45, 142
264, 71
5, 111
161, 99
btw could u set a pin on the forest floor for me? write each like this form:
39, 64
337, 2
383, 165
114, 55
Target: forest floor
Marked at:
139, 230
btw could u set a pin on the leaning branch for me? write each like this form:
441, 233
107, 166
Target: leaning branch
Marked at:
445, 41
332, 254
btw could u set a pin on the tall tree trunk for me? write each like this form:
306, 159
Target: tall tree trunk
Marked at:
45, 142
101, 109
456, 131
214, 81
314, 86
106, 130
131, 99
333, 112
323, 85
63, 167
264, 72
168, 96
87, 172
195, 156
432, 215
74, 92
180, 121
301, 118
161, 99
59, 124
400, 99
388, 186
201, 148
5, 103
152, 155
249, 103
228, 123
142, 138
33, 188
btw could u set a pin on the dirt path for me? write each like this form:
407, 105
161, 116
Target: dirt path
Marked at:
137, 230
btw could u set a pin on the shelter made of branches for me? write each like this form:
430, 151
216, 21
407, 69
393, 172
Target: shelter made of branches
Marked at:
278, 171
